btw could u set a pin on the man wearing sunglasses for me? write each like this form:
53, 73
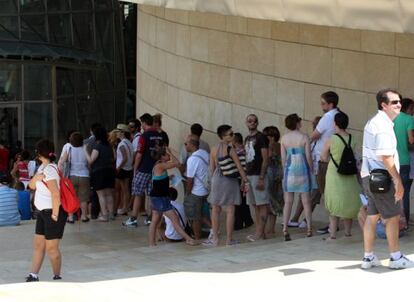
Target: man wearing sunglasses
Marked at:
379, 153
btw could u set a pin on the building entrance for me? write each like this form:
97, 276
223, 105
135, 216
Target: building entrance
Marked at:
10, 119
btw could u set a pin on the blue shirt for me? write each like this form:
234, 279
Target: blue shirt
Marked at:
9, 213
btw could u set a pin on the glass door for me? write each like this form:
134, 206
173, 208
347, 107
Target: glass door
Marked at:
10, 124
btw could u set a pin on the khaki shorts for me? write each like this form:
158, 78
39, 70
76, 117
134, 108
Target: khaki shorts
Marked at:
256, 197
381, 203
82, 187
321, 177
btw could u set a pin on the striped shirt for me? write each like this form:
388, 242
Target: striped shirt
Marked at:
9, 213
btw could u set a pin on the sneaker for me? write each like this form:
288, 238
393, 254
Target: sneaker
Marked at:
368, 263
403, 262
130, 222
32, 278
303, 225
324, 230
57, 277
293, 224
147, 221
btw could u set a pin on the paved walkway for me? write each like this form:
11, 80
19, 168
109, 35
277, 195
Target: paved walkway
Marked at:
106, 262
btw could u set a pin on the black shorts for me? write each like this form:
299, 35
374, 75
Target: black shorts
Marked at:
103, 179
124, 174
49, 228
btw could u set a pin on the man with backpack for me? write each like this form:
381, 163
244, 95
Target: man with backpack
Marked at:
197, 183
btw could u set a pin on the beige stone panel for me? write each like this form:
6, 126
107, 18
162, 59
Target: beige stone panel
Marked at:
313, 100
171, 68
210, 136
218, 47
149, 9
285, 31
145, 85
183, 38
261, 55
357, 136
344, 38
221, 113
241, 87
406, 77
142, 29
160, 12
235, 24
380, 72
219, 82
152, 30
161, 60
317, 65
259, 28
207, 20
239, 46
404, 46
199, 43
314, 34
172, 101
177, 15
290, 97
153, 61
194, 108
161, 100
200, 80
143, 55
184, 73
166, 35
372, 107
172, 127
264, 92
378, 42
348, 69
355, 105
288, 60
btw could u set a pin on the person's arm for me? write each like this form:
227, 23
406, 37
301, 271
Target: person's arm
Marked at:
282, 154
265, 160
326, 150
411, 136
90, 158
236, 160
389, 164
308, 153
52, 185
63, 158
315, 136
35, 178
173, 163
13, 172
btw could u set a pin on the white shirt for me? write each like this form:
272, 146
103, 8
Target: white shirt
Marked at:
326, 128
184, 155
197, 169
78, 162
126, 144
379, 139
170, 232
43, 197
135, 141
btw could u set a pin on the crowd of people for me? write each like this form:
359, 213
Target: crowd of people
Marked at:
257, 176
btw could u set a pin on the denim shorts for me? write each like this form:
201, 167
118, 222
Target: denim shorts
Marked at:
161, 204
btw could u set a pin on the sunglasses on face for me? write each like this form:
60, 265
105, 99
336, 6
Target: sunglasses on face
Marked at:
395, 102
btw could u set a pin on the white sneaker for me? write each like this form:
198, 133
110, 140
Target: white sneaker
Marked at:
403, 262
303, 225
368, 263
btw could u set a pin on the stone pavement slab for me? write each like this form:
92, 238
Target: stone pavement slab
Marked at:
106, 262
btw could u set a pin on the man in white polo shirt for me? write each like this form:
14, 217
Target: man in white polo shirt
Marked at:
379, 151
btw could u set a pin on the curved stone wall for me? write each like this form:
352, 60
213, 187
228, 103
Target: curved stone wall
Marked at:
215, 69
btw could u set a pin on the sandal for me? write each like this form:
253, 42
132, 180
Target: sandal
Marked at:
192, 242
287, 236
210, 242
252, 238
309, 233
330, 238
233, 242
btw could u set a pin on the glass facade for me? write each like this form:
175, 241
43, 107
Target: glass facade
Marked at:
62, 68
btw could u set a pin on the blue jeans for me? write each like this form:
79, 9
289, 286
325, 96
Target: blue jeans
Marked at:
405, 178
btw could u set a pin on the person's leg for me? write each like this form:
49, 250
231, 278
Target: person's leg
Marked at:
229, 224
333, 225
215, 222
307, 207
84, 209
102, 203
347, 227
369, 232
156, 217
405, 178
287, 209
260, 226
172, 215
53, 253
138, 201
109, 200
39, 249
270, 225
298, 212
392, 231
117, 195
125, 194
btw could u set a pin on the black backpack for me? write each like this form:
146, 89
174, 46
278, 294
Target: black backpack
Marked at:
347, 165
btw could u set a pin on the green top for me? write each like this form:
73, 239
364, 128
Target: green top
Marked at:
402, 124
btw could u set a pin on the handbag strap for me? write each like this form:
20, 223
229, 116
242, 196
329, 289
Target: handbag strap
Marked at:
179, 216
346, 145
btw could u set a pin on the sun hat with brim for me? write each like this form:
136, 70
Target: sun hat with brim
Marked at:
122, 127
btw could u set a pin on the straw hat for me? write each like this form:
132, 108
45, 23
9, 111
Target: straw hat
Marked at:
122, 127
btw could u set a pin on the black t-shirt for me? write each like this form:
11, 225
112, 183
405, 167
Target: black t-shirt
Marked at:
254, 145
149, 141
105, 157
